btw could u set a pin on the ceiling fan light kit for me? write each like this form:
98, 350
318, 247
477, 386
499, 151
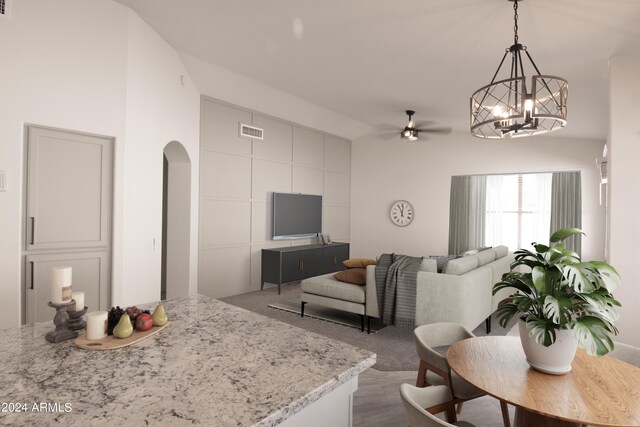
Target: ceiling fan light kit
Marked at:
409, 133
510, 108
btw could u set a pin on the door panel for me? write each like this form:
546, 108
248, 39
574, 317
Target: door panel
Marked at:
90, 274
68, 190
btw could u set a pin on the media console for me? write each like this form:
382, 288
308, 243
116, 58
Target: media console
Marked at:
291, 263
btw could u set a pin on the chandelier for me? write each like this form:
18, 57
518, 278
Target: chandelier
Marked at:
509, 108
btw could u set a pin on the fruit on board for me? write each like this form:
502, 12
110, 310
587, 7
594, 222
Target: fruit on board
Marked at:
144, 322
159, 316
124, 328
113, 317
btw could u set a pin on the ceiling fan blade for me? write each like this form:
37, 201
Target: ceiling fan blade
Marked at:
387, 127
444, 130
387, 136
423, 123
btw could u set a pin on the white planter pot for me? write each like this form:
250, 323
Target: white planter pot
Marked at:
555, 359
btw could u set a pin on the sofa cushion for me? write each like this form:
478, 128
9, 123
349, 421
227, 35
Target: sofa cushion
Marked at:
355, 276
501, 251
485, 257
326, 285
442, 261
462, 265
359, 262
428, 264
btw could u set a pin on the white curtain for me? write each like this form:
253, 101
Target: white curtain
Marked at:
466, 213
566, 206
517, 210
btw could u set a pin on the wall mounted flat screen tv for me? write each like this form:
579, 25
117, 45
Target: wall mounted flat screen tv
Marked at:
296, 216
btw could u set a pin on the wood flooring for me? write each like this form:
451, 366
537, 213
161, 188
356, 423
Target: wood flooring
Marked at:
377, 402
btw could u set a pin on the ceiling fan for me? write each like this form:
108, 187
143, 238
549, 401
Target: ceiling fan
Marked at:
413, 128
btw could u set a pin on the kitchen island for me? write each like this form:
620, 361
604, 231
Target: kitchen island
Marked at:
214, 364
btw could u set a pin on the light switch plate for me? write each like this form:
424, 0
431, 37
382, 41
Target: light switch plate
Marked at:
3, 181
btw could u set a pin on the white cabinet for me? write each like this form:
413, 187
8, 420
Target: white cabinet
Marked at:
68, 190
67, 217
90, 272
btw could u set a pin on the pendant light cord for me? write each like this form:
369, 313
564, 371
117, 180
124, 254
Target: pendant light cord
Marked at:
515, 22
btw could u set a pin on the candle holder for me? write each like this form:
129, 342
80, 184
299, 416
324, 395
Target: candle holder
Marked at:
76, 322
61, 320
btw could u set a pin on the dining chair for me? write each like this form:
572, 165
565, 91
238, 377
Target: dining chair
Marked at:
626, 353
432, 341
420, 405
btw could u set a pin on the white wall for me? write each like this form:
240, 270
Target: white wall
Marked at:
63, 65
220, 83
420, 172
95, 67
162, 106
624, 190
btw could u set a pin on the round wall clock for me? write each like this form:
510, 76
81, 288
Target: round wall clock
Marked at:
401, 213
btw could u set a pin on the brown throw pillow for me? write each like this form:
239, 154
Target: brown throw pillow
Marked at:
359, 262
355, 276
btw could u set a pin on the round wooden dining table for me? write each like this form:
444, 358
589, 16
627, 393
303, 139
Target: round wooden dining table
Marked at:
600, 391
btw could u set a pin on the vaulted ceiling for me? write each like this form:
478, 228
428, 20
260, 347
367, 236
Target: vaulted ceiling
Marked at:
372, 59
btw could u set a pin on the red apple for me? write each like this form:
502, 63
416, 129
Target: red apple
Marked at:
144, 322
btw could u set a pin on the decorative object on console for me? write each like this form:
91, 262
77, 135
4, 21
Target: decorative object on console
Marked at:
401, 213
560, 292
506, 108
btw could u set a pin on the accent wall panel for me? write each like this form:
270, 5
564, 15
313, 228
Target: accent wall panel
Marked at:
261, 221
269, 177
337, 154
224, 222
308, 147
336, 188
221, 129
230, 266
237, 179
308, 180
336, 222
225, 175
277, 143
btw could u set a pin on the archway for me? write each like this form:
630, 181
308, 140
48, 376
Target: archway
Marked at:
176, 221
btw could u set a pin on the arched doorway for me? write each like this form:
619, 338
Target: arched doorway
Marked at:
176, 221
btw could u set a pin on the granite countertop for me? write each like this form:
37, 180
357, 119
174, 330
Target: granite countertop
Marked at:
215, 364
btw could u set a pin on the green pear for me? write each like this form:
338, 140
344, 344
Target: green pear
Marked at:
124, 328
159, 316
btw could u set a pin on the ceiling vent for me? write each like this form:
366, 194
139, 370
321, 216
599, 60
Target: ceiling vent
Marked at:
5, 8
251, 132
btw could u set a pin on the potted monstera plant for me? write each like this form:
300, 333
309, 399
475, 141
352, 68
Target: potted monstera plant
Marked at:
562, 303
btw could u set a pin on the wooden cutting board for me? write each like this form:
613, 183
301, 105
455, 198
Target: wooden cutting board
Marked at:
111, 343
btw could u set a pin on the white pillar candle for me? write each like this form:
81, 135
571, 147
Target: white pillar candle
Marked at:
96, 325
78, 297
60, 284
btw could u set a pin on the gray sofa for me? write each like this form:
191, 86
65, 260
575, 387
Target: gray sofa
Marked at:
460, 294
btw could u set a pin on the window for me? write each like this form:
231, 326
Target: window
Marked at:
518, 209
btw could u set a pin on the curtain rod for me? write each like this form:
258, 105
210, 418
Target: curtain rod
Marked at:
519, 173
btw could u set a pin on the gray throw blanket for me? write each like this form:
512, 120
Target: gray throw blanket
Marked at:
396, 289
